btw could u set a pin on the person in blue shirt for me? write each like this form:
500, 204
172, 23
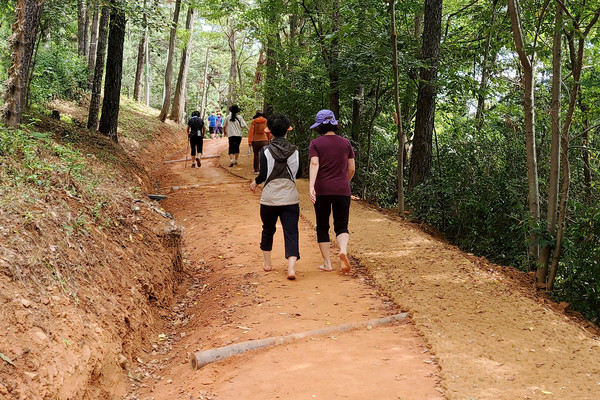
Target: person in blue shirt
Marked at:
212, 124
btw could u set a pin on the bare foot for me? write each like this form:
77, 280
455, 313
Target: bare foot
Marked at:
322, 267
345, 263
291, 275
267, 268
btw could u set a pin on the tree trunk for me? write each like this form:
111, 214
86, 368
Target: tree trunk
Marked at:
139, 70
334, 55
542, 270
358, 111
566, 172
93, 44
205, 85
169, 70
21, 43
98, 69
184, 67
231, 92
529, 110
399, 133
109, 120
485, 72
82, 28
420, 165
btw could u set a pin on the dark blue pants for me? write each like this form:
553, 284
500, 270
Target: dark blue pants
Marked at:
289, 216
340, 205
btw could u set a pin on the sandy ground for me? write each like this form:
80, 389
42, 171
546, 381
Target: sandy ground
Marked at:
476, 331
228, 298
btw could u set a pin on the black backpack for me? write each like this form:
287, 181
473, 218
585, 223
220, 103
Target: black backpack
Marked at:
196, 124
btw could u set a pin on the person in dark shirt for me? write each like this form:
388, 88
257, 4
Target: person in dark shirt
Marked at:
331, 169
196, 131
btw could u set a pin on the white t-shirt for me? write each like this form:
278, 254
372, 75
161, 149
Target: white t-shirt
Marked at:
234, 128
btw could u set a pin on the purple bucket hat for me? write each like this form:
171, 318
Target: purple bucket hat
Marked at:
324, 117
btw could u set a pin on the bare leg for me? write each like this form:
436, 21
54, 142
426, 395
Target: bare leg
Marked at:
324, 247
235, 157
342, 240
291, 274
267, 265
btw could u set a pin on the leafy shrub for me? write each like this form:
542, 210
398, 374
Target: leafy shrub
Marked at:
476, 197
58, 73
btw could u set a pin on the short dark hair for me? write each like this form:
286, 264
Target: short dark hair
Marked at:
324, 128
278, 124
195, 113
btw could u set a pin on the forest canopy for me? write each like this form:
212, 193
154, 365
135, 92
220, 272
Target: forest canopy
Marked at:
495, 122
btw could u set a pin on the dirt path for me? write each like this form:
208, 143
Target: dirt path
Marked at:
479, 322
229, 298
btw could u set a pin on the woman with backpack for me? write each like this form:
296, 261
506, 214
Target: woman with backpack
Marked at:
196, 131
279, 168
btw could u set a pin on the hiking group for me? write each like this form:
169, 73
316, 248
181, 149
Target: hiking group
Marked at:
277, 164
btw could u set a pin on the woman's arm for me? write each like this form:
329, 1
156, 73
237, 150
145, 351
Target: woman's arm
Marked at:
351, 168
312, 173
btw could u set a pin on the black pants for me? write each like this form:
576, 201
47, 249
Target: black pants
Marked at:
196, 143
256, 146
289, 216
234, 144
340, 205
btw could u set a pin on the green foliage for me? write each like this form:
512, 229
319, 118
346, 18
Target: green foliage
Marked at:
578, 281
59, 73
476, 196
33, 159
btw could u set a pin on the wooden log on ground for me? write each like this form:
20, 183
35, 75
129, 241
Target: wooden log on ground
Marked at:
202, 358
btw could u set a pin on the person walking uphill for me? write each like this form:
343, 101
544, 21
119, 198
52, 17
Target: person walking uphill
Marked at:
258, 138
232, 127
279, 168
196, 131
331, 169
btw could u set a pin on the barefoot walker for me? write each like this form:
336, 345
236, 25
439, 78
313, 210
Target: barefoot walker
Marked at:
279, 169
331, 169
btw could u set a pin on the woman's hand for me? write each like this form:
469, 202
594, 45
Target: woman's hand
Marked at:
253, 186
312, 194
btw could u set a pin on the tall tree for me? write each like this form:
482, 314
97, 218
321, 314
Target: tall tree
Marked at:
582, 33
180, 88
22, 42
93, 43
399, 133
231, 40
83, 20
420, 164
555, 113
488, 59
96, 96
169, 70
109, 120
529, 109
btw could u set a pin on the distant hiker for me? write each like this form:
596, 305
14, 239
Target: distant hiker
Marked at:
258, 137
219, 126
212, 124
331, 169
232, 126
196, 131
279, 168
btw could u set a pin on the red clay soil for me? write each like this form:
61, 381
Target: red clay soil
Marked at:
475, 331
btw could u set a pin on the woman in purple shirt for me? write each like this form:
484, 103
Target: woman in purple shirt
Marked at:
331, 169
